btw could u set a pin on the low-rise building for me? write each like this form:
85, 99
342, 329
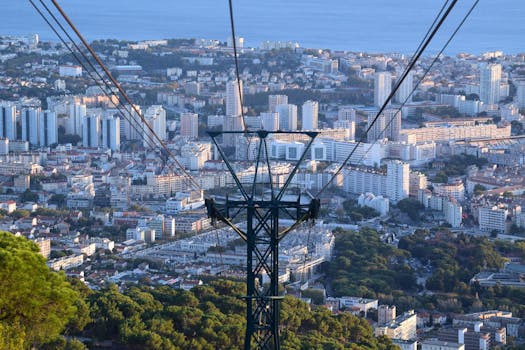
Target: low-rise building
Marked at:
66, 262
402, 327
434, 344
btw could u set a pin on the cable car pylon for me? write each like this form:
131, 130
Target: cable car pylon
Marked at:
256, 207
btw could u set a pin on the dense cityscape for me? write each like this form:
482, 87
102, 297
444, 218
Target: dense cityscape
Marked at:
420, 235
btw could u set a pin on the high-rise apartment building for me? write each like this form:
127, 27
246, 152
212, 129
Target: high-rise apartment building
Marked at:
131, 126
30, 124
520, 93
275, 100
8, 121
387, 125
310, 115
404, 92
398, 180
270, 121
156, 118
287, 117
382, 87
77, 113
189, 125
111, 133
233, 99
48, 130
91, 131
489, 84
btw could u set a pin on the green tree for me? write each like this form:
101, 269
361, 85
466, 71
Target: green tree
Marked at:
36, 303
479, 189
58, 199
411, 207
20, 213
28, 196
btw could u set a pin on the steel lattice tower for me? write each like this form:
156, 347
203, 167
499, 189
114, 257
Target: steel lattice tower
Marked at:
260, 205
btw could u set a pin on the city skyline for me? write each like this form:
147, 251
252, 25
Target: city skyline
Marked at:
368, 200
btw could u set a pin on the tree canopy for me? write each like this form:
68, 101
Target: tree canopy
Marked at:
365, 266
36, 304
212, 317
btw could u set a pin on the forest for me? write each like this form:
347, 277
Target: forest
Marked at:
365, 266
145, 317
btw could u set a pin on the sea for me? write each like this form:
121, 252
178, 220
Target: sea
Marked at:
375, 26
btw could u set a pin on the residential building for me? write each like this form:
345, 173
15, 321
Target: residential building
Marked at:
434, 344
387, 125
453, 212
378, 203
453, 132
310, 115
111, 132
77, 113
189, 125
493, 218
48, 131
404, 93
44, 245
489, 83
91, 131
386, 313
287, 117
66, 262
382, 87
346, 113
233, 98
8, 121
397, 180
270, 121
454, 189
30, 124
520, 93
417, 181
155, 116
402, 327
275, 100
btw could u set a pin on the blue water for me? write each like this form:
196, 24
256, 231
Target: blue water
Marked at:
358, 25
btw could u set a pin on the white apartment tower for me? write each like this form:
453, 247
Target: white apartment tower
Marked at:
270, 121
310, 115
8, 121
91, 131
233, 99
111, 133
397, 180
287, 117
30, 123
382, 87
77, 113
489, 83
520, 93
48, 128
275, 100
404, 92
156, 118
189, 125
131, 126
387, 125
